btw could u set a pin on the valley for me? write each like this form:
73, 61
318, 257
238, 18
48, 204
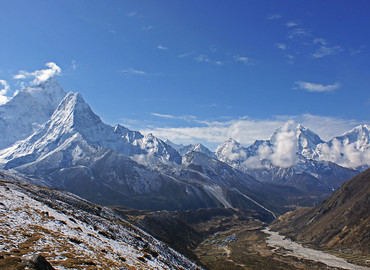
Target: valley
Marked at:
227, 239
88, 195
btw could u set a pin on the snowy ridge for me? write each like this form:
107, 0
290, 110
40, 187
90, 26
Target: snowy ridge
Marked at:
73, 232
75, 146
352, 149
232, 152
293, 151
289, 146
184, 149
28, 110
74, 121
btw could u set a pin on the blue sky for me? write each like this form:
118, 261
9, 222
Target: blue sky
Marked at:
199, 71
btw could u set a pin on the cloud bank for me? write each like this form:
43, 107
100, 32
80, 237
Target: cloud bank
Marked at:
133, 71
3, 98
245, 130
39, 76
346, 155
285, 147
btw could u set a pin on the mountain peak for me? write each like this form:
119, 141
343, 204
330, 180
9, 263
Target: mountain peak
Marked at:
231, 152
305, 139
74, 112
49, 83
49, 90
231, 141
307, 135
359, 129
198, 148
359, 137
28, 110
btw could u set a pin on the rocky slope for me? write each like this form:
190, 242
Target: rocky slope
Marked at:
340, 222
73, 233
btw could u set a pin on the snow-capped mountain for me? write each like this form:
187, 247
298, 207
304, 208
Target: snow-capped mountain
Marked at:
291, 153
156, 147
358, 136
352, 149
304, 139
183, 149
175, 146
197, 148
232, 153
73, 122
232, 186
28, 110
76, 151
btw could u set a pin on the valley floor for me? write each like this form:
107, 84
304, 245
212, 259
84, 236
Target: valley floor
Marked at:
290, 248
250, 248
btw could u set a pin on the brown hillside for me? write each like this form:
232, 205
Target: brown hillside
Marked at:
342, 222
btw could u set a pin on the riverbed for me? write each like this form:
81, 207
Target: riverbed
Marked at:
275, 240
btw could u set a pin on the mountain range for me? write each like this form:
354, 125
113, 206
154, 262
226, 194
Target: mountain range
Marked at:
296, 156
64, 144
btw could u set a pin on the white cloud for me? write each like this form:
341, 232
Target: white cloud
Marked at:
74, 65
133, 71
132, 14
325, 51
3, 98
40, 75
148, 27
274, 16
354, 51
321, 41
246, 130
163, 115
187, 118
186, 54
316, 87
299, 32
281, 46
242, 59
345, 154
283, 152
161, 47
285, 146
291, 58
202, 58
291, 24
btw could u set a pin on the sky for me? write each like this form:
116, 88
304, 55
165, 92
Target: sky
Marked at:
197, 71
